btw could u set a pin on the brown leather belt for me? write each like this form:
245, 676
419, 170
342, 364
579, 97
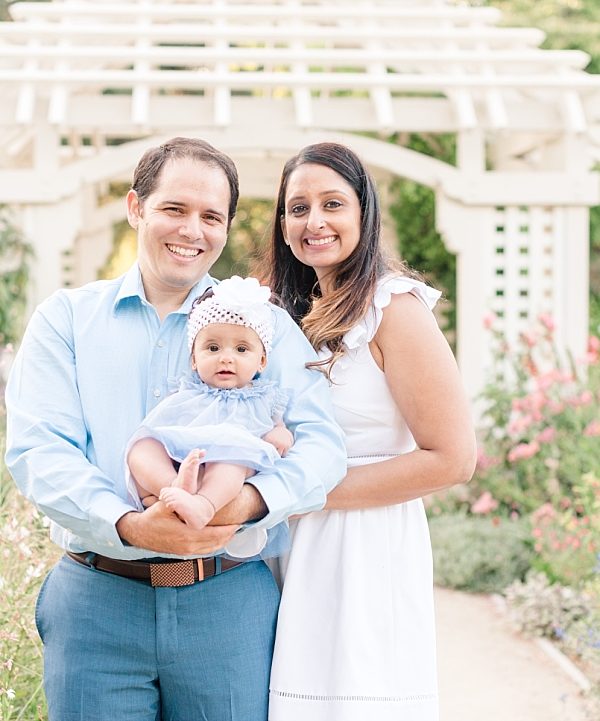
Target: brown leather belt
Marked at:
162, 573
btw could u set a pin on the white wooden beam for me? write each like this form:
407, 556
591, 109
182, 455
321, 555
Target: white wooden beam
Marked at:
518, 58
342, 81
191, 32
251, 10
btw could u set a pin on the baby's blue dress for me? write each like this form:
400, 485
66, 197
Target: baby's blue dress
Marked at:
226, 423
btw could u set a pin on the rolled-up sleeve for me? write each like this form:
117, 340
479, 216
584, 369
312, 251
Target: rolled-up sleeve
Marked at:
47, 435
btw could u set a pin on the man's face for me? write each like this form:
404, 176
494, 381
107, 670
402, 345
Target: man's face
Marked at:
182, 226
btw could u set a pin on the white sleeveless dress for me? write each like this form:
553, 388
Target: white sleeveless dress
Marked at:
356, 634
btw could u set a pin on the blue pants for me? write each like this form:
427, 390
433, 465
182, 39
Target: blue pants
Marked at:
119, 650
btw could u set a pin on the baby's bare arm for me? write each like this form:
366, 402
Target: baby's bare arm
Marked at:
281, 438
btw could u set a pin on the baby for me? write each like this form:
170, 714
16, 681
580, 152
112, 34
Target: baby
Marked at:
223, 424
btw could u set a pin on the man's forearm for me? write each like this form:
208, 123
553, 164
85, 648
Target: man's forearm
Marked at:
248, 505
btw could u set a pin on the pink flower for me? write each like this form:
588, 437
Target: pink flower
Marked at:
523, 451
488, 320
547, 435
537, 400
547, 321
549, 378
556, 407
592, 428
484, 461
486, 503
583, 399
519, 424
544, 511
529, 338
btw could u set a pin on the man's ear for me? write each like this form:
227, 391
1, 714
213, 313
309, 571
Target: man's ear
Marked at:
134, 209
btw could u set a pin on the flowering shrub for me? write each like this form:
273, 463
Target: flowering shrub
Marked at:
24, 559
570, 617
567, 535
541, 422
25, 556
540, 608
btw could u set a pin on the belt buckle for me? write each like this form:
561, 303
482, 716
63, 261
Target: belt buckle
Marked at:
176, 574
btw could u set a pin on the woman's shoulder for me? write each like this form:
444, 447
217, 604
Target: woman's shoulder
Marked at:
387, 288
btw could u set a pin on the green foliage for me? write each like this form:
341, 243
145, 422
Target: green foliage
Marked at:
413, 211
15, 256
5, 6
568, 24
479, 554
248, 235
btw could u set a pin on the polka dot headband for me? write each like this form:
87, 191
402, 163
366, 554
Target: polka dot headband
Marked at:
239, 301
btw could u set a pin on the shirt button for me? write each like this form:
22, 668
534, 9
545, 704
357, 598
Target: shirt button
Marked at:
156, 392
161, 344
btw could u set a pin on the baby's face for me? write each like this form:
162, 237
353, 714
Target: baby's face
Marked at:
227, 355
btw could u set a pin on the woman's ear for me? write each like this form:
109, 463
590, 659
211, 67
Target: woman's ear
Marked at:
282, 224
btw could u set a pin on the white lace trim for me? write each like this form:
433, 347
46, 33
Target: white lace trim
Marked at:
383, 699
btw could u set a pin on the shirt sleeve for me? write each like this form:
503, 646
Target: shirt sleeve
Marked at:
47, 435
317, 460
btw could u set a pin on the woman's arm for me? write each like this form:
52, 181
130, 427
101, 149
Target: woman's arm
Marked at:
426, 386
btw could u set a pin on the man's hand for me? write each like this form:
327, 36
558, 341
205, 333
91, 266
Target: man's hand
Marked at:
160, 530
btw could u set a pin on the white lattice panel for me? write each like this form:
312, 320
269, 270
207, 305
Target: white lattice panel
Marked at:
525, 267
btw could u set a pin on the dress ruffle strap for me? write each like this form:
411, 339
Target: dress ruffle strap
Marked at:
392, 285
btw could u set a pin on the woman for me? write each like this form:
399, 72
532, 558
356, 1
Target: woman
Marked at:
356, 633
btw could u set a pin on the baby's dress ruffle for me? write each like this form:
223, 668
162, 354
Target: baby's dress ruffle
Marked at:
364, 331
227, 423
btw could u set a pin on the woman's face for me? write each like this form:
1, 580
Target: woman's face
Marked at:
321, 221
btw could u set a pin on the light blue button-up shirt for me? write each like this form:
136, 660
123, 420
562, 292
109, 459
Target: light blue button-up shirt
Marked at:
93, 362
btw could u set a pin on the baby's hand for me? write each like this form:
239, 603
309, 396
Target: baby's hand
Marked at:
280, 438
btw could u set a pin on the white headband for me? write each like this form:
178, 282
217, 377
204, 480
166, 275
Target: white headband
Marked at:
240, 301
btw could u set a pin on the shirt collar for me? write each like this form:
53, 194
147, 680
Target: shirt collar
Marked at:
132, 287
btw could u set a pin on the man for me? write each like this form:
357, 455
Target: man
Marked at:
126, 638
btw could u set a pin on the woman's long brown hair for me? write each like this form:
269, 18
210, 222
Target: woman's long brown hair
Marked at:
325, 320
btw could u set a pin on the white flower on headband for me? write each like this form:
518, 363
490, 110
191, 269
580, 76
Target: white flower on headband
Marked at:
240, 294
239, 301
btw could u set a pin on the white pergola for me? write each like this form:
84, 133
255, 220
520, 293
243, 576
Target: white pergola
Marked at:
88, 85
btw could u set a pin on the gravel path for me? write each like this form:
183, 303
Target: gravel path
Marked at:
487, 672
